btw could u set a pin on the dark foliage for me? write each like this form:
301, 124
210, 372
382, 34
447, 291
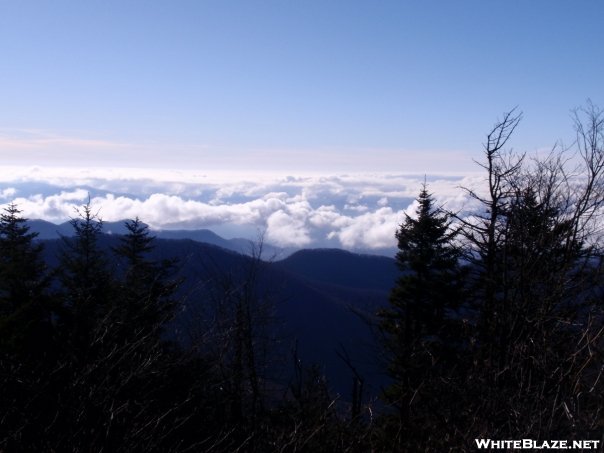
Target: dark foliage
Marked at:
506, 346
86, 364
25, 309
421, 328
523, 347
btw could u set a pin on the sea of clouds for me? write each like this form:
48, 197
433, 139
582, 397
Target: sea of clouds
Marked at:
352, 211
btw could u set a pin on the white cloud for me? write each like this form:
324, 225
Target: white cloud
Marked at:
371, 230
54, 208
351, 211
287, 229
8, 193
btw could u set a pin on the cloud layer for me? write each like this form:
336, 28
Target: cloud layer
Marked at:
360, 211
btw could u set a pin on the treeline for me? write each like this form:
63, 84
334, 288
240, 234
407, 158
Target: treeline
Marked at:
89, 360
494, 330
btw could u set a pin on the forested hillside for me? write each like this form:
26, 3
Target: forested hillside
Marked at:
123, 331
494, 331
492, 328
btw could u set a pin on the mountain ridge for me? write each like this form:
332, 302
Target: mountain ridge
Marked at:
317, 311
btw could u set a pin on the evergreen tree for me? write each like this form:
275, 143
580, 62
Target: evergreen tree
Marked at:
27, 341
420, 328
115, 373
21, 265
24, 305
87, 283
147, 286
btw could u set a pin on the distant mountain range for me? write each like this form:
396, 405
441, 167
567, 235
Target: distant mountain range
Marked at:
324, 300
48, 230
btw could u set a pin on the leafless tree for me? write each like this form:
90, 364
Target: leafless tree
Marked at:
535, 249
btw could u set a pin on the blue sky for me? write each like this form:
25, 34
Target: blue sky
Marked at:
313, 121
314, 86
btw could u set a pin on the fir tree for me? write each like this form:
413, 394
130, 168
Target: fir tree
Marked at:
21, 265
27, 336
87, 283
421, 329
147, 286
25, 308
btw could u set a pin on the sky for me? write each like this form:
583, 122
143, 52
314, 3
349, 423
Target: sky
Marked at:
291, 89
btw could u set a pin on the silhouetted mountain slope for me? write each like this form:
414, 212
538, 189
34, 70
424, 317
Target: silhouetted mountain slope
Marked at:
239, 245
339, 267
321, 299
317, 316
48, 230
203, 235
